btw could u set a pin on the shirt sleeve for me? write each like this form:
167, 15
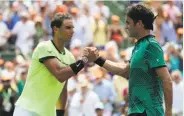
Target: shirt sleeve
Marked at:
16, 28
44, 52
154, 56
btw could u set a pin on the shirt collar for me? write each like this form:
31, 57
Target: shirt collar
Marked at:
57, 49
145, 37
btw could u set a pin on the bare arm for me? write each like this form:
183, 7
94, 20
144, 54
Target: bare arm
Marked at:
167, 86
64, 73
61, 74
63, 97
117, 68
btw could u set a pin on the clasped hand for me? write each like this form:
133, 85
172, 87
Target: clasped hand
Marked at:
91, 53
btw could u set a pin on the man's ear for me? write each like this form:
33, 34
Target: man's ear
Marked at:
55, 29
140, 24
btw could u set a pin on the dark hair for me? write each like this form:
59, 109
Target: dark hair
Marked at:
140, 12
58, 20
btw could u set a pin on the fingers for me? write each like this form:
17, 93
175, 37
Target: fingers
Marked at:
87, 49
93, 49
90, 49
91, 53
85, 52
96, 53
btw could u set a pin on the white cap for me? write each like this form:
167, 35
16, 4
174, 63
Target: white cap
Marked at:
99, 105
83, 83
24, 14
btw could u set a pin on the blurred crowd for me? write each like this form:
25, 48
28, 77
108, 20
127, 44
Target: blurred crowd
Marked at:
94, 91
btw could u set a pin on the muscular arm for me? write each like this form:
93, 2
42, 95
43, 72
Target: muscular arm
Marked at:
167, 86
63, 97
117, 68
61, 74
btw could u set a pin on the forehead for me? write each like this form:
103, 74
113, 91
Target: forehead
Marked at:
127, 18
68, 22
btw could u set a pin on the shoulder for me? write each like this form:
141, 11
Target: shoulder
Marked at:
43, 45
153, 45
18, 24
3, 24
93, 94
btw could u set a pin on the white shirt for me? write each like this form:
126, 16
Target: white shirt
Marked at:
6, 73
172, 11
104, 9
24, 32
178, 96
85, 109
3, 31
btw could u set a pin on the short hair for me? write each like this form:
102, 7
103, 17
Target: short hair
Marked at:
141, 12
58, 19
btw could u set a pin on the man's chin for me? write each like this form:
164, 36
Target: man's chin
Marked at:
69, 41
130, 35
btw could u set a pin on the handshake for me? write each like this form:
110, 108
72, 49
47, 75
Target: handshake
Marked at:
90, 54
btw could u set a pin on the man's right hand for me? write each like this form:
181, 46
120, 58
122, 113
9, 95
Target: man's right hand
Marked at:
91, 53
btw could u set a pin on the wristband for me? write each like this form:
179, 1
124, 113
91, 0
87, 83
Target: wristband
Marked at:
100, 61
77, 66
60, 112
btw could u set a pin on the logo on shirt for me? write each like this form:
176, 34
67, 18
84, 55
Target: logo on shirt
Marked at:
49, 51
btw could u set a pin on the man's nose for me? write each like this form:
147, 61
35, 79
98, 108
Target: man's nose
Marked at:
72, 31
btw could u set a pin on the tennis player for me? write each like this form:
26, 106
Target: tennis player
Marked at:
52, 65
149, 79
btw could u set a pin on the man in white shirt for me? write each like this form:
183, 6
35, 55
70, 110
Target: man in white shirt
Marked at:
83, 102
24, 29
102, 9
177, 92
172, 10
4, 33
99, 109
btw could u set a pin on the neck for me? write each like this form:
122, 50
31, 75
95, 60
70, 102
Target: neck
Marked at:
84, 92
143, 34
58, 44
